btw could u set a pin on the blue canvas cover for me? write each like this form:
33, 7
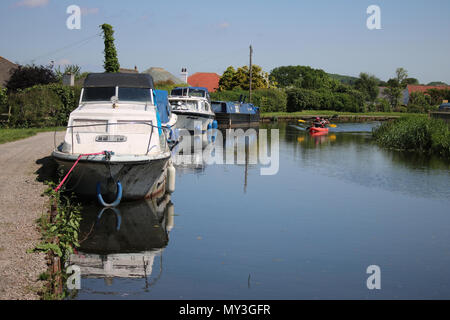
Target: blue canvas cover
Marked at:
234, 107
162, 104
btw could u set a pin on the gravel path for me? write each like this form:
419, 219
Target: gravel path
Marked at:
21, 203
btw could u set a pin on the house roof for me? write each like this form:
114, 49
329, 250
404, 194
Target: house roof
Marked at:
420, 88
5, 70
124, 70
205, 79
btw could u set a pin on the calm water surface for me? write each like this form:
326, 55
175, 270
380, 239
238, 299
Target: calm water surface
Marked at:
338, 205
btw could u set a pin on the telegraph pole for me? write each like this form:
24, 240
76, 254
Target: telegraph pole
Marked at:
251, 73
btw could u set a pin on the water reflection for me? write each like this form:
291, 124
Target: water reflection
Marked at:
124, 242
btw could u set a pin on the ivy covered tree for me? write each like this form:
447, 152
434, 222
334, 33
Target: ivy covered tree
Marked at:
111, 63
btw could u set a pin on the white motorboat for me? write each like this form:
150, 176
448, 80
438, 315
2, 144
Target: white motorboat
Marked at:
119, 138
192, 105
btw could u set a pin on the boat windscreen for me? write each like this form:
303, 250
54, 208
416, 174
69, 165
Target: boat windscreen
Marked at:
134, 94
98, 94
192, 92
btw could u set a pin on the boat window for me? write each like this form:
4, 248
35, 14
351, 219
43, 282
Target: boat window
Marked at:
196, 93
134, 94
98, 94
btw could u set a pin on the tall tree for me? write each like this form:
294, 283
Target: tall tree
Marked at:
111, 63
402, 75
368, 84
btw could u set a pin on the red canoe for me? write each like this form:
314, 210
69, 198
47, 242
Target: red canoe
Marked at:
318, 130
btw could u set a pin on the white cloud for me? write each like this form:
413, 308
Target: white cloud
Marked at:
32, 3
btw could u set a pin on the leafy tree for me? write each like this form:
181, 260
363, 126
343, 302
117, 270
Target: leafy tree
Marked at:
240, 79
411, 81
111, 63
226, 81
402, 75
394, 92
303, 77
29, 76
368, 84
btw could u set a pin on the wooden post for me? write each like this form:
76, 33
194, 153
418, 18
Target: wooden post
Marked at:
251, 73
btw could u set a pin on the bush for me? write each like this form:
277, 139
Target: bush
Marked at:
415, 133
268, 100
305, 99
43, 106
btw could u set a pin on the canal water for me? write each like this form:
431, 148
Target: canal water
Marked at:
338, 205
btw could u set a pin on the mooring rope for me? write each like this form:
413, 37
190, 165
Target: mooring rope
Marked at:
75, 164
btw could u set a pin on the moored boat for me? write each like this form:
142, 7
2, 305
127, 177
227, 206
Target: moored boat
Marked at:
235, 114
118, 139
192, 105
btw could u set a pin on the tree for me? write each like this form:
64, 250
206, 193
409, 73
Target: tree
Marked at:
302, 77
111, 63
393, 92
368, 84
402, 75
226, 81
240, 79
29, 76
411, 81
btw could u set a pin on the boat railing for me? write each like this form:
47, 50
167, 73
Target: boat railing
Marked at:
164, 130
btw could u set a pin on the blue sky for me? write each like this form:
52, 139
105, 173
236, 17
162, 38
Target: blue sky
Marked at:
209, 36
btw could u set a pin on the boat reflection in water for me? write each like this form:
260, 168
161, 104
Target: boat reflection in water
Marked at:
125, 241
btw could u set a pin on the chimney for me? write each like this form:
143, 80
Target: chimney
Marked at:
184, 75
68, 79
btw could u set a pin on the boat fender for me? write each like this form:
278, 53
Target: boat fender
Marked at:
170, 217
118, 197
171, 175
215, 124
210, 126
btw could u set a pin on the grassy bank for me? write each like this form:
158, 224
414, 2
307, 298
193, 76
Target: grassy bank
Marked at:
415, 134
10, 135
328, 113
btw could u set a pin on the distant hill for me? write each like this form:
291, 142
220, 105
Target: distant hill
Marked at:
343, 79
437, 83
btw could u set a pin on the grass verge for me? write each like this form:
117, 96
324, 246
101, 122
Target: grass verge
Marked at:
10, 135
331, 113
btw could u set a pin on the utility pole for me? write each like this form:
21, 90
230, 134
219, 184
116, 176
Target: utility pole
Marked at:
251, 73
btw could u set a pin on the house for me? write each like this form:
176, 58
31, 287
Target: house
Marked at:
6, 67
406, 93
419, 88
206, 80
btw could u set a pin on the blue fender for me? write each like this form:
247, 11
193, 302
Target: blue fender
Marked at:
118, 197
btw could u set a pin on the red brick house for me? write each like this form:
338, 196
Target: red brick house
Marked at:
205, 79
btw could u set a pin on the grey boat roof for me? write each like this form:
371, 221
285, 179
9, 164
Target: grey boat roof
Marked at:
124, 80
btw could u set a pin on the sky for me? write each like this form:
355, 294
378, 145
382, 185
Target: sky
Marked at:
209, 36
